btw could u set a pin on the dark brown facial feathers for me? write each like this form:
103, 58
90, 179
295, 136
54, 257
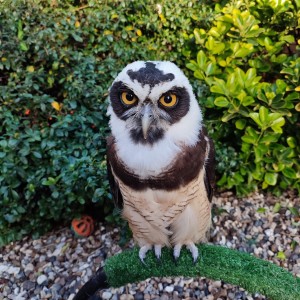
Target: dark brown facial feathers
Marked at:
150, 75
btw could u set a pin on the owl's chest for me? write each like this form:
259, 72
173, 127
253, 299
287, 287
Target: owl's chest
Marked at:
162, 203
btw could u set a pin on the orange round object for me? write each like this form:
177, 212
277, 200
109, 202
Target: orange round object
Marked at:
83, 226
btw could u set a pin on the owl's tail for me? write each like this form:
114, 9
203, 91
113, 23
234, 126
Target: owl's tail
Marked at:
98, 281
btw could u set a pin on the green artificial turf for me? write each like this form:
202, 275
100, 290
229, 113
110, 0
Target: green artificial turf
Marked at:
215, 262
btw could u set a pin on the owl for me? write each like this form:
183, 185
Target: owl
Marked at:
160, 160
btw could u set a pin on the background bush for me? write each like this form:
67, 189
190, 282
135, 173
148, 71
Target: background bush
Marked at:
249, 59
58, 59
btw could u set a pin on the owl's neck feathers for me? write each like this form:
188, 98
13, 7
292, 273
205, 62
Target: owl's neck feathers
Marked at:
183, 169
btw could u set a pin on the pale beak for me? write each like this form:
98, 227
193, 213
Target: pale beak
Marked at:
147, 117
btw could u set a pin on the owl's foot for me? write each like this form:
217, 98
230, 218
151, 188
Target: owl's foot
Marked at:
143, 251
190, 246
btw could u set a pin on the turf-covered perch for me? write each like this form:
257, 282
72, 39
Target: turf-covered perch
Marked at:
215, 262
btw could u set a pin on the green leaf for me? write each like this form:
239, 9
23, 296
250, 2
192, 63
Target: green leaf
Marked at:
3, 144
76, 37
228, 116
288, 38
261, 210
271, 178
201, 59
211, 69
20, 30
249, 139
277, 207
221, 101
256, 119
280, 255
199, 74
49, 181
260, 151
292, 96
23, 46
219, 87
294, 211
242, 52
291, 141
269, 137
277, 124
263, 114
240, 124
289, 173
192, 66
248, 100
37, 154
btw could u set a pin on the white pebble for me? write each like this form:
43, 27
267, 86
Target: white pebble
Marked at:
169, 289
29, 268
41, 279
106, 295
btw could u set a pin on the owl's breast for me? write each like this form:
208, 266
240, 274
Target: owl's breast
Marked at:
148, 171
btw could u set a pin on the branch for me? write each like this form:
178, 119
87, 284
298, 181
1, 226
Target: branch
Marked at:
215, 262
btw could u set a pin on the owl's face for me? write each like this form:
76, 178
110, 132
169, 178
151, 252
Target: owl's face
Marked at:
151, 101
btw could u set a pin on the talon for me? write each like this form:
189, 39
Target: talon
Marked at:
143, 251
176, 251
157, 251
194, 250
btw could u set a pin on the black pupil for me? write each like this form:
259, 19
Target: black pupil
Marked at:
129, 96
168, 99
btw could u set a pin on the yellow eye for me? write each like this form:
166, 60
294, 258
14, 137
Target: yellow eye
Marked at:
168, 100
128, 98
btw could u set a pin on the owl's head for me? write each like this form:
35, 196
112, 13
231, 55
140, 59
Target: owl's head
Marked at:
151, 101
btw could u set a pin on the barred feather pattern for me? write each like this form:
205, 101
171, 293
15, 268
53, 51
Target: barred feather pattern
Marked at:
167, 218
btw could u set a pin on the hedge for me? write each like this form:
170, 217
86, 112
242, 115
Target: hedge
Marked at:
58, 59
249, 59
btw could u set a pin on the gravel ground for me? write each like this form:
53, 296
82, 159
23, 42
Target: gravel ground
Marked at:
58, 264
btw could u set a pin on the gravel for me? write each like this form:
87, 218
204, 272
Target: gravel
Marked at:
58, 264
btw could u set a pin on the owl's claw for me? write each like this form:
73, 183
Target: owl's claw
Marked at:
194, 250
157, 251
143, 251
191, 247
176, 251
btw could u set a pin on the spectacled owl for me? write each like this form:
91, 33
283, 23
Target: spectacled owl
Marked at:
160, 160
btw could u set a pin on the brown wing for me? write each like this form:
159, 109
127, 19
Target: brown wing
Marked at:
209, 165
114, 187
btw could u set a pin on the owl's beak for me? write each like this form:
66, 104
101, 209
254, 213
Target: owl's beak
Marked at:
147, 117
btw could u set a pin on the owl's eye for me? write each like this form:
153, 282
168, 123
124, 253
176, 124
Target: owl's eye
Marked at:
168, 100
128, 98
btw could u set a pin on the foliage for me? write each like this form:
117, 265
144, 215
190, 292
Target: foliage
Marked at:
57, 61
249, 59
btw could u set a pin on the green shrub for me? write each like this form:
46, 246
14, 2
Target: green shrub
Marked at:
57, 61
249, 59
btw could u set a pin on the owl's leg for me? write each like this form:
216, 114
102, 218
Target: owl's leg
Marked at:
190, 246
